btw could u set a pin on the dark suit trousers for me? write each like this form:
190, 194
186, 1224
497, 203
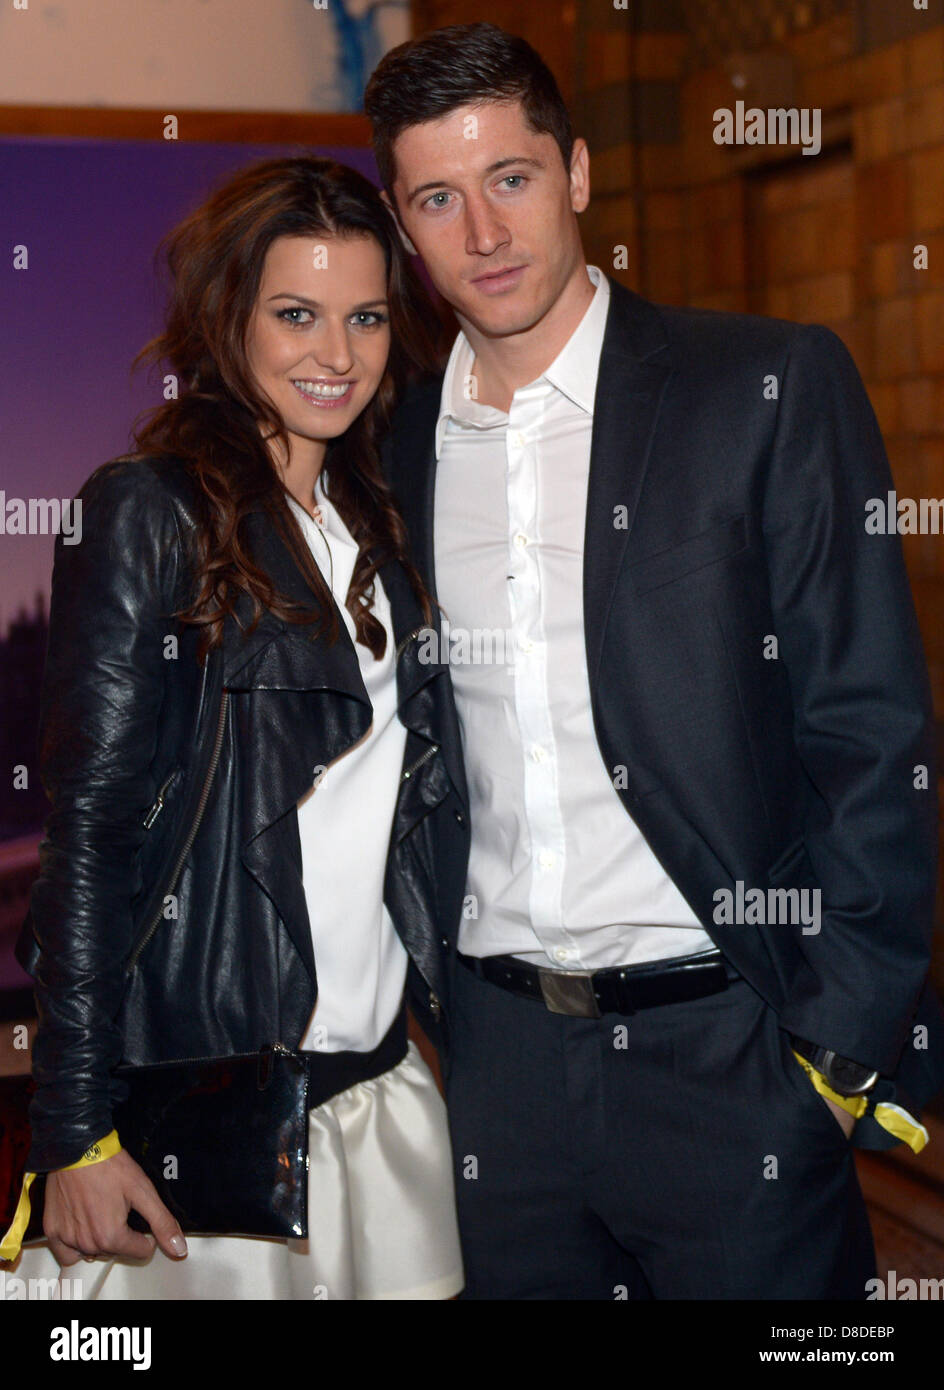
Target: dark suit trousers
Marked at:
678, 1153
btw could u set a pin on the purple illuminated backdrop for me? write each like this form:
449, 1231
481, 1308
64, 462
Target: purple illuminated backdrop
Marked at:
91, 213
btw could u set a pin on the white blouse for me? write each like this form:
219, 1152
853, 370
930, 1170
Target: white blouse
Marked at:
344, 824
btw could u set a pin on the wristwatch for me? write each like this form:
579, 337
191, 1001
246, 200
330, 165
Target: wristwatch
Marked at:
845, 1077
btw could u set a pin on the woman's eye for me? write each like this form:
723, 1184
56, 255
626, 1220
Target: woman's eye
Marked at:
287, 314
298, 317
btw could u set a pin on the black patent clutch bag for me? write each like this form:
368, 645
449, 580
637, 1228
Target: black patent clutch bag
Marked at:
223, 1140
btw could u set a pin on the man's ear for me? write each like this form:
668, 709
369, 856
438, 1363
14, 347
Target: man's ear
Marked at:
396, 217
579, 176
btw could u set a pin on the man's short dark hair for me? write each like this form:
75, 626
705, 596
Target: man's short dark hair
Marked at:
461, 65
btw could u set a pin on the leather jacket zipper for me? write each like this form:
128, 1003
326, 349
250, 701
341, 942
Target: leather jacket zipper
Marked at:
153, 924
404, 641
424, 758
434, 748
157, 805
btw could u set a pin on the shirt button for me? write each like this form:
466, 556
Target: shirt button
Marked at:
546, 859
521, 539
526, 644
516, 438
562, 954
538, 753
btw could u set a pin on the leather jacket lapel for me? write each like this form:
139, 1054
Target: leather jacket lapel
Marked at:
298, 703
413, 440
279, 655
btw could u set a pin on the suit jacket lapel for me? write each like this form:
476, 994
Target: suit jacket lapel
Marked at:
630, 388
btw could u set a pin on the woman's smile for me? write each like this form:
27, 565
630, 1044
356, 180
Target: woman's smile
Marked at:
325, 395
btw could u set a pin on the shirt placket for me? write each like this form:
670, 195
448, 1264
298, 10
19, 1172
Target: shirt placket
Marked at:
532, 705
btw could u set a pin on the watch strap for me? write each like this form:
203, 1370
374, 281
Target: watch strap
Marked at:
856, 1106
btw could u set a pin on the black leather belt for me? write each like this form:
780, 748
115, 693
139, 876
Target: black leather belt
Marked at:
330, 1073
623, 989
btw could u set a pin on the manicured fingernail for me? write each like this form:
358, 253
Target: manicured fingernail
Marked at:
178, 1245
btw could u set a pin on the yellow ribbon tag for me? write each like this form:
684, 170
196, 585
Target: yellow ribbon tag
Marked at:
856, 1106
13, 1238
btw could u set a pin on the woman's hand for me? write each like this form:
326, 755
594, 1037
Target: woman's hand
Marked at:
86, 1212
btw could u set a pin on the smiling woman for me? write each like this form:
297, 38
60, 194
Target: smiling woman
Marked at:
297, 275
254, 536
317, 356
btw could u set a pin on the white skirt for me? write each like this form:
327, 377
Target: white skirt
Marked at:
381, 1215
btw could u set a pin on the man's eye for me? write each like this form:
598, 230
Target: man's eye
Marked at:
430, 202
510, 177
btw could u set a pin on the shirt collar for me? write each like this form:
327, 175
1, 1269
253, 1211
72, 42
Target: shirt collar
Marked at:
573, 372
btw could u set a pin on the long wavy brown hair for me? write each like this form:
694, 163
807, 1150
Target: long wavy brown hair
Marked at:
217, 423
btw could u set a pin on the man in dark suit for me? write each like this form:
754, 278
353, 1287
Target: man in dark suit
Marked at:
690, 971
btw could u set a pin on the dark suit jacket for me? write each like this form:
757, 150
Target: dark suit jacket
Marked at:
731, 463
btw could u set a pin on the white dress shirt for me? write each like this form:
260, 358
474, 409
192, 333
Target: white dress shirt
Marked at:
559, 873
344, 824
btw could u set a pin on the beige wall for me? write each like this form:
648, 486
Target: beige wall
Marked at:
273, 55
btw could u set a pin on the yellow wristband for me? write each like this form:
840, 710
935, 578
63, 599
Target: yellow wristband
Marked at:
894, 1118
13, 1238
856, 1106
96, 1153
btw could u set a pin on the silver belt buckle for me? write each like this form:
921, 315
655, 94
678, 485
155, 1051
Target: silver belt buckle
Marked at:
569, 992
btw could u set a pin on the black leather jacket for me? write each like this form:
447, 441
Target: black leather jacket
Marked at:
122, 694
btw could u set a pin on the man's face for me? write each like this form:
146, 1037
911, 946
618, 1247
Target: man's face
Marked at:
489, 206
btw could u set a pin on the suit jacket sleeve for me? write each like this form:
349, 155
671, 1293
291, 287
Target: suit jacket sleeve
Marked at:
863, 720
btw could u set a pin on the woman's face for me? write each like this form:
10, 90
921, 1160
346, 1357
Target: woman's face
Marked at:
319, 335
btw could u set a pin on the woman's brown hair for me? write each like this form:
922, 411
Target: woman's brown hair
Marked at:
216, 425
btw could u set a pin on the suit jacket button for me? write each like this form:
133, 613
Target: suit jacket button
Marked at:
435, 1007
